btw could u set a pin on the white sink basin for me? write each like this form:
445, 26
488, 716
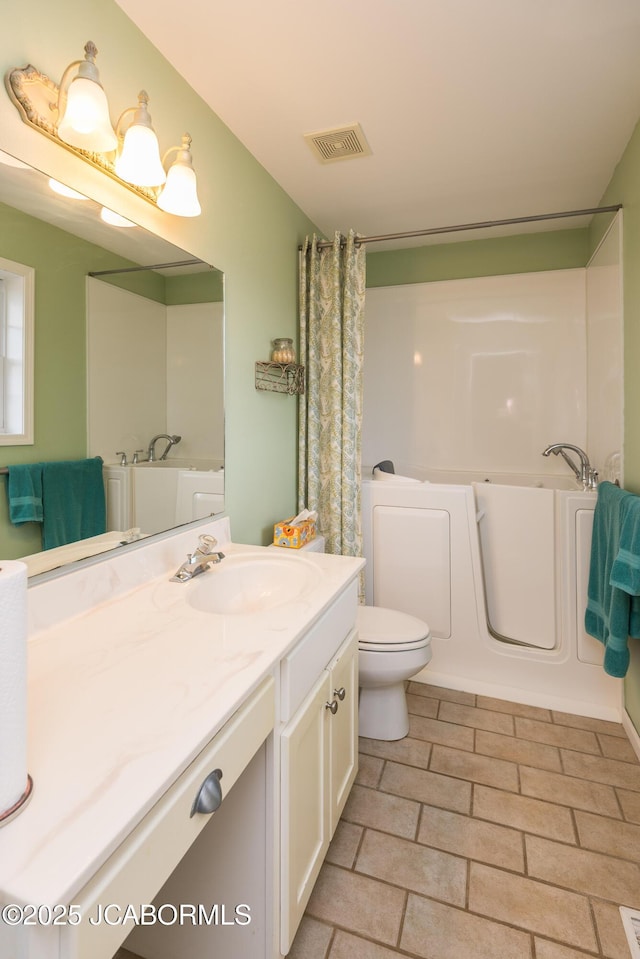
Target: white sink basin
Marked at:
244, 585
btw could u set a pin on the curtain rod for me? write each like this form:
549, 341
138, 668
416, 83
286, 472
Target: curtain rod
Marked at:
153, 266
479, 226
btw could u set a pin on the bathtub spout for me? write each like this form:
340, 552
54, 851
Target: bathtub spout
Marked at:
585, 474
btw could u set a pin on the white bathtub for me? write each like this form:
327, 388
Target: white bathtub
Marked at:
499, 570
157, 496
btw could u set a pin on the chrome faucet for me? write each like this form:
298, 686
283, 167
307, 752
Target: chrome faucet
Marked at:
198, 561
585, 473
171, 441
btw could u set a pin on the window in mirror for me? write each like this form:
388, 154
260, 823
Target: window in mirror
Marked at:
16, 353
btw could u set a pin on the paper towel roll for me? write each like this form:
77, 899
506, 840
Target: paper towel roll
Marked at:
13, 683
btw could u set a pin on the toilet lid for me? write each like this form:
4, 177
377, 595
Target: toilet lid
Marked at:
381, 628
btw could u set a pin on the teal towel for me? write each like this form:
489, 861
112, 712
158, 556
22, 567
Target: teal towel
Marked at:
24, 491
73, 501
613, 594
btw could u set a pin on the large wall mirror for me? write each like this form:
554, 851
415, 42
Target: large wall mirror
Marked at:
128, 366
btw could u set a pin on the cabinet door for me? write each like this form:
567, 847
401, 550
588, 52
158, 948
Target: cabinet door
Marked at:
305, 774
344, 726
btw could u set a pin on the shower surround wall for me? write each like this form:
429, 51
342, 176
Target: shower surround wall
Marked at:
482, 374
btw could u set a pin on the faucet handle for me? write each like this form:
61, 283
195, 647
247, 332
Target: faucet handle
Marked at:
207, 543
135, 459
123, 457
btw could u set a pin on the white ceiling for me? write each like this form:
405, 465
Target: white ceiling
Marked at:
473, 110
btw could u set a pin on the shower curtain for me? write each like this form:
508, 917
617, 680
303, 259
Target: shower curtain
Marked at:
332, 290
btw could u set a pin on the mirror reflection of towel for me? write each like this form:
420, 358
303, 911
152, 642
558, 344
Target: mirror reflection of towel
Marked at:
73, 501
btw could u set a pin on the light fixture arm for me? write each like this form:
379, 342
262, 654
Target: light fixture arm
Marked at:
135, 115
183, 152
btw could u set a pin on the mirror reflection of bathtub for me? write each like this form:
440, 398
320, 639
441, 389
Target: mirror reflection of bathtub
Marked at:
157, 496
498, 566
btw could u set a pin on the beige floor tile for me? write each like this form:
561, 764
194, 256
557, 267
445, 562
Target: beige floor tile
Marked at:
347, 946
630, 802
532, 905
610, 930
440, 693
472, 838
436, 931
369, 770
368, 807
446, 734
518, 750
608, 835
429, 872
568, 791
521, 812
495, 722
311, 941
553, 950
479, 769
586, 722
516, 709
426, 786
579, 739
353, 901
600, 770
422, 705
585, 871
344, 845
413, 752
613, 747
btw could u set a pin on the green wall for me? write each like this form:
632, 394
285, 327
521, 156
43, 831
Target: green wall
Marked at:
249, 229
526, 253
624, 188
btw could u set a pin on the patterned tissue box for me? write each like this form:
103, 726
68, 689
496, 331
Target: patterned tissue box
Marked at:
294, 536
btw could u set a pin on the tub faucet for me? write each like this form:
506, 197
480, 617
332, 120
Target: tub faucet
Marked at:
171, 441
200, 560
585, 473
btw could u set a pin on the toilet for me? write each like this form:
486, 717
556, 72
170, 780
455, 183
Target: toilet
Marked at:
393, 647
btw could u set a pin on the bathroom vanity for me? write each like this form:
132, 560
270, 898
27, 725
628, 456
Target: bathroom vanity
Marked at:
141, 690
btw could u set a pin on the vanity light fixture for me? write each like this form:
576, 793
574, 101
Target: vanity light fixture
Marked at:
83, 111
180, 195
76, 116
138, 159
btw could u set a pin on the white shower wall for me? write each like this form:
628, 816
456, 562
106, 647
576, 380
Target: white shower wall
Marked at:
153, 369
477, 374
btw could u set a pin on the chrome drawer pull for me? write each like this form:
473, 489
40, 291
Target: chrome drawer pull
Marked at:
209, 795
340, 693
333, 706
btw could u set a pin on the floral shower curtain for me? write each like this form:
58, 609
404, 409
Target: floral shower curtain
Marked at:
332, 290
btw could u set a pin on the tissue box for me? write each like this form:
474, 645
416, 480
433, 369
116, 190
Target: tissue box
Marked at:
294, 536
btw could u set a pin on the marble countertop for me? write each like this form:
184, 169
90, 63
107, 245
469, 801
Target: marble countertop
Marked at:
124, 692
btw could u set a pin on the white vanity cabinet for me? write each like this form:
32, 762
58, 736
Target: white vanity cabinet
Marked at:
318, 759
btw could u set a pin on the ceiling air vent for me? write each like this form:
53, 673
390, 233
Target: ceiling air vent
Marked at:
339, 144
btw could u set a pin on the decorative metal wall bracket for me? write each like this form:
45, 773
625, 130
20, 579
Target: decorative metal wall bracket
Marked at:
280, 377
35, 96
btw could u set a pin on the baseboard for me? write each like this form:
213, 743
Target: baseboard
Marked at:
632, 732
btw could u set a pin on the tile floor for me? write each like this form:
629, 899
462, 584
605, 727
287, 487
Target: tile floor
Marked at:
493, 831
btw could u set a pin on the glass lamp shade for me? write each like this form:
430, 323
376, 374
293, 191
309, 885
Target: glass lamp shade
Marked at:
180, 194
114, 219
139, 161
85, 122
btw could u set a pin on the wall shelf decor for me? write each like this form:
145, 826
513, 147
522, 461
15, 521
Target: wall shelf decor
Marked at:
280, 377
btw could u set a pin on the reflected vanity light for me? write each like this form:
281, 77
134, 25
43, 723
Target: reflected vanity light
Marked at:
114, 219
76, 116
180, 195
64, 190
83, 111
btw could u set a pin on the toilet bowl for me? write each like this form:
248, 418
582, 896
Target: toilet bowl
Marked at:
393, 647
